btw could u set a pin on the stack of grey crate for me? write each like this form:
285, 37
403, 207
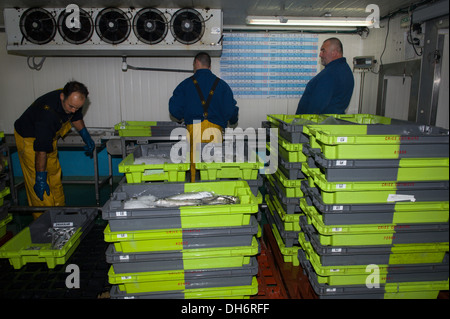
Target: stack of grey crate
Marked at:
181, 252
374, 226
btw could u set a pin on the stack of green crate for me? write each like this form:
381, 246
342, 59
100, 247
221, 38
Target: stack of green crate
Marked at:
376, 210
5, 217
283, 187
204, 251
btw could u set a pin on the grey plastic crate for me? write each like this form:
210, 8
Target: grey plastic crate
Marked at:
411, 234
175, 257
214, 236
325, 291
291, 205
359, 255
250, 269
290, 238
157, 149
4, 210
291, 170
61, 217
420, 195
114, 207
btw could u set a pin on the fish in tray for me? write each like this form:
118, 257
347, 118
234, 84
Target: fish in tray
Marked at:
183, 199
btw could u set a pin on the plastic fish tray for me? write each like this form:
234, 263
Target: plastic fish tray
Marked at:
379, 196
289, 221
422, 169
400, 234
146, 128
294, 128
396, 290
291, 170
234, 292
378, 134
366, 255
3, 193
358, 275
288, 192
181, 239
290, 238
316, 175
114, 208
246, 168
135, 272
354, 216
290, 204
313, 217
289, 253
3, 222
167, 171
394, 207
204, 258
33, 245
289, 152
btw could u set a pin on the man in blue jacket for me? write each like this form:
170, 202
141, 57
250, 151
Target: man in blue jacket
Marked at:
330, 91
204, 102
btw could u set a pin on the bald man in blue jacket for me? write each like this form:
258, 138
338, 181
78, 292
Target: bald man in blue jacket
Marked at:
330, 91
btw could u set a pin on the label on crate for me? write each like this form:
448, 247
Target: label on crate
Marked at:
63, 224
335, 270
336, 250
341, 163
398, 198
336, 229
331, 289
340, 207
124, 257
341, 186
121, 214
342, 139
125, 277
122, 235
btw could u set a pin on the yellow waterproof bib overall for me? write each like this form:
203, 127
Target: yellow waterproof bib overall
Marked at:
205, 131
27, 162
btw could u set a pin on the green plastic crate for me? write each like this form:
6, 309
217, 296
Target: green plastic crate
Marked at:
289, 253
32, 245
234, 292
145, 128
20, 250
5, 191
290, 221
432, 179
3, 224
168, 171
288, 192
215, 171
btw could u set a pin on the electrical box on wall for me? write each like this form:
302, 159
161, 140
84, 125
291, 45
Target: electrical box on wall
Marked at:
363, 62
113, 31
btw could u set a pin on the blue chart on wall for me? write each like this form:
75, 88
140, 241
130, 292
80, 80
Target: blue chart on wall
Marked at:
268, 65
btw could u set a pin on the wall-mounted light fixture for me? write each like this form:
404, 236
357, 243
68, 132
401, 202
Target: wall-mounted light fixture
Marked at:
309, 21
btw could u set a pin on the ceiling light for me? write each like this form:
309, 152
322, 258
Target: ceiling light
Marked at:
309, 21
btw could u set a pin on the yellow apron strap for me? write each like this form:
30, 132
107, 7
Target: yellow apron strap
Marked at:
202, 132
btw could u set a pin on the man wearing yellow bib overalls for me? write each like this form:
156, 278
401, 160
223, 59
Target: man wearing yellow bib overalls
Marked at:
204, 102
37, 131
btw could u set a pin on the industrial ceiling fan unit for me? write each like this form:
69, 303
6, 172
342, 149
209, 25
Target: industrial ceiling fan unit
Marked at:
113, 31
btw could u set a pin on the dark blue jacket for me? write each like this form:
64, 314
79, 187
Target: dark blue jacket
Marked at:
185, 102
330, 91
43, 119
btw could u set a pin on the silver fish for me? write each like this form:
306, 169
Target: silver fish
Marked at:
190, 195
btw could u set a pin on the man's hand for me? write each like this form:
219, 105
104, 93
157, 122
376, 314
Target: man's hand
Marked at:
41, 185
90, 145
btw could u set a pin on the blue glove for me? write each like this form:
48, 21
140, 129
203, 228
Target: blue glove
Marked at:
41, 185
90, 145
